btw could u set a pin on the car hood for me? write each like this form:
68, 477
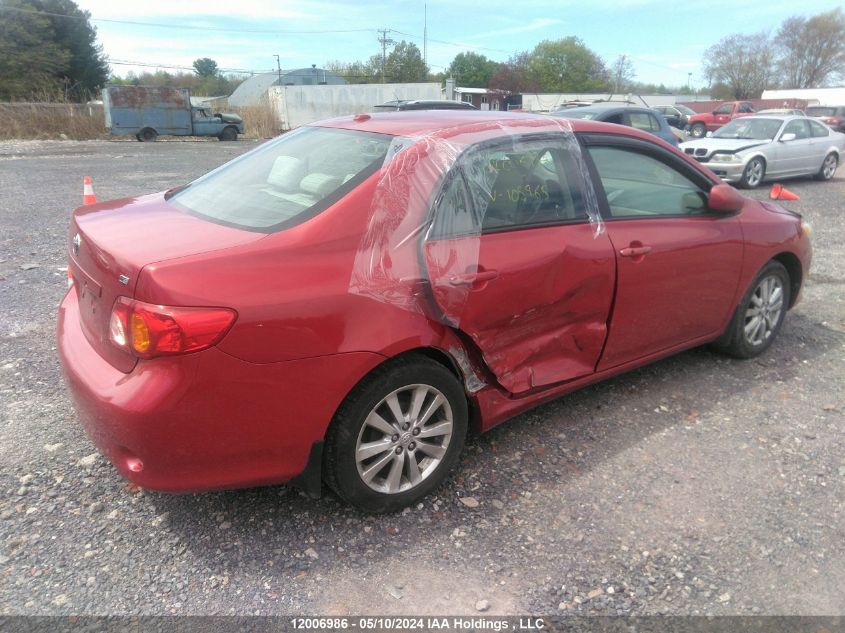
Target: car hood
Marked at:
227, 117
707, 146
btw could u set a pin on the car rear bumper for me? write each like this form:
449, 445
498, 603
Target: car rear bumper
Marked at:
207, 420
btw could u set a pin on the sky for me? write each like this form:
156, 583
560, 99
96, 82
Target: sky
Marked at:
665, 40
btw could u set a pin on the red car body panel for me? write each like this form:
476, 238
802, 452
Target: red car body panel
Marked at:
713, 121
564, 309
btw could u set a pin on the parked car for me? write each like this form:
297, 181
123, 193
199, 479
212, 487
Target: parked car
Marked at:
343, 303
699, 124
753, 149
432, 104
782, 112
676, 115
833, 116
644, 119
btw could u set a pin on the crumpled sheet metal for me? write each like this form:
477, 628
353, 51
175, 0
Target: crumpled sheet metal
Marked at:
413, 253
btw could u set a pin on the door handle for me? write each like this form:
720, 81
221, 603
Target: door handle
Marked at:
635, 251
469, 279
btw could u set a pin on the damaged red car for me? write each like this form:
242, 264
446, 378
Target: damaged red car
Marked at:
344, 304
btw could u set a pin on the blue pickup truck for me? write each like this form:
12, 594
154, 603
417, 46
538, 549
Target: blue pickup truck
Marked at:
148, 111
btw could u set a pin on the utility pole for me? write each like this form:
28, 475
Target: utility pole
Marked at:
689, 81
425, 35
279, 67
385, 42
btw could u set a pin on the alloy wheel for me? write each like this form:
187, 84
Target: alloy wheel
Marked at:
829, 167
404, 439
763, 313
755, 173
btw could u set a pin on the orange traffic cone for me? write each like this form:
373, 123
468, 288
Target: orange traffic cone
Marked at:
779, 192
88, 196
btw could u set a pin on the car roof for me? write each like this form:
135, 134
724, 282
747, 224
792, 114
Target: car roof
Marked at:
449, 123
607, 108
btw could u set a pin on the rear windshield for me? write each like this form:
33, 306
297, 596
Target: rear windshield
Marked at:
286, 181
821, 111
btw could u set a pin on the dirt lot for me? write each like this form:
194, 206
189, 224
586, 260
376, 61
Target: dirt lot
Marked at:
696, 485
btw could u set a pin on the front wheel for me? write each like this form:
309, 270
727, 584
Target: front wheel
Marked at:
828, 168
147, 135
396, 436
753, 174
759, 316
228, 134
698, 130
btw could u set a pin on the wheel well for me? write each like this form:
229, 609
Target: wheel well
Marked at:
793, 267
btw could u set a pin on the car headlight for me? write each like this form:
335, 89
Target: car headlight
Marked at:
725, 158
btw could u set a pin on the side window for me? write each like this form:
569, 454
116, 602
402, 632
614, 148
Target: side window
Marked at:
745, 108
798, 127
638, 185
615, 118
643, 121
530, 183
725, 109
818, 130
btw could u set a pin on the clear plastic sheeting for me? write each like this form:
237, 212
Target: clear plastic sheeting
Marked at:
439, 193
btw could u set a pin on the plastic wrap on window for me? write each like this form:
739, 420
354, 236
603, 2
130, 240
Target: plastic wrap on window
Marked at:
437, 193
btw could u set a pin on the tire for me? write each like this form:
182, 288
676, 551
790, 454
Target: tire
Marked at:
383, 479
828, 168
147, 135
742, 339
228, 134
698, 130
753, 174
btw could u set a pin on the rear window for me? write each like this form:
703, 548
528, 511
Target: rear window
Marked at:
817, 111
286, 181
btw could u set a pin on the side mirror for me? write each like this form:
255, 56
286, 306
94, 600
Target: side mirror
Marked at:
784, 138
725, 199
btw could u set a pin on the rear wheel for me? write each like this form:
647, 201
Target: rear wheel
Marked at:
228, 134
698, 130
828, 168
147, 135
759, 316
396, 436
753, 175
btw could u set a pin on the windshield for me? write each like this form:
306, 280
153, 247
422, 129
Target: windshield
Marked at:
817, 111
684, 109
750, 128
285, 181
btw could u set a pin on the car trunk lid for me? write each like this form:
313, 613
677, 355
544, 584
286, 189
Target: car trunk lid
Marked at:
109, 244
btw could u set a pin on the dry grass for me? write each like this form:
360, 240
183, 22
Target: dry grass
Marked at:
51, 121
260, 121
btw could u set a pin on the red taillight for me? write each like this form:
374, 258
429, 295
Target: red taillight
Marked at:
146, 330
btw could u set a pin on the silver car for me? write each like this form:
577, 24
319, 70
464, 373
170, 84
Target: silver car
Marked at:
752, 149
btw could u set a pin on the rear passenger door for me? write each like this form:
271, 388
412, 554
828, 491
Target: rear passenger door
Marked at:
515, 264
678, 264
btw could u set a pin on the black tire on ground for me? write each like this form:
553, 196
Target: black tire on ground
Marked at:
698, 130
741, 339
147, 135
828, 168
753, 174
228, 134
349, 429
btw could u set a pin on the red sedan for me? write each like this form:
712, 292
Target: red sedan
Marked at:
344, 303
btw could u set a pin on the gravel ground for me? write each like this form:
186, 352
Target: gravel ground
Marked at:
697, 485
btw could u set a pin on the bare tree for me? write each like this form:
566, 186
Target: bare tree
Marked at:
623, 74
812, 51
744, 63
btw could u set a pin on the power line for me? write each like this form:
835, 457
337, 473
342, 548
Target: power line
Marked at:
385, 41
186, 26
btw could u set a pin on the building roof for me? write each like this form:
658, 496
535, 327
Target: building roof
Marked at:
255, 88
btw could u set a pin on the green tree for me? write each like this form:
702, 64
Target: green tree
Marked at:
812, 51
31, 62
744, 63
86, 69
567, 65
405, 64
472, 70
205, 67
